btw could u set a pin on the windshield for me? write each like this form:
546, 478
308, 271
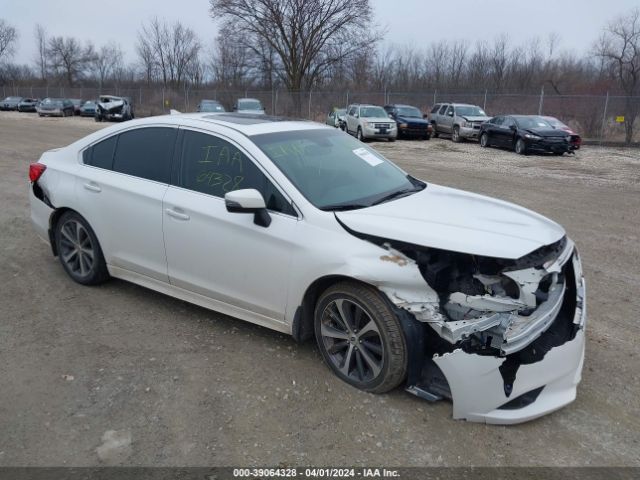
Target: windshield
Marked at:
340, 112
532, 122
470, 111
555, 123
211, 107
12, 99
332, 170
249, 105
409, 112
89, 103
373, 112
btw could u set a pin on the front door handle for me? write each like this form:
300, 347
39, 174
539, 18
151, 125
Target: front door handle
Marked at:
176, 214
92, 187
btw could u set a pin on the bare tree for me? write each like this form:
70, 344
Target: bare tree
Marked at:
69, 57
8, 39
307, 36
169, 50
619, 46
105, 62
40, 59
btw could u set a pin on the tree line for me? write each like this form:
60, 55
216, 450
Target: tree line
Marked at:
302, 45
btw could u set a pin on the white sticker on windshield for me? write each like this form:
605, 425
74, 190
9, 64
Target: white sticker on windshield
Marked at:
367, 156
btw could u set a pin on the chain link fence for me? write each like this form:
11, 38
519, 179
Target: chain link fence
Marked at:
596, 117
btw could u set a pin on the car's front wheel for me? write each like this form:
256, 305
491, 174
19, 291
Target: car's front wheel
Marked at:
484, 140
360, 337
521, 148
455, 136
79, 250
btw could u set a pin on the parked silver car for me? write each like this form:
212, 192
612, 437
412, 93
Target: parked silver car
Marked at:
370, 121
460, 120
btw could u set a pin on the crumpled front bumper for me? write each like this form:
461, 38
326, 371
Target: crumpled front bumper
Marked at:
477, 384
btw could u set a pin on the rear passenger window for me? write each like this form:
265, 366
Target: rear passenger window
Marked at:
435, 109
146, 153
214, 166
101, 154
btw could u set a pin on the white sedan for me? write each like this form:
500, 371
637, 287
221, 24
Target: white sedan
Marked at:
301, 228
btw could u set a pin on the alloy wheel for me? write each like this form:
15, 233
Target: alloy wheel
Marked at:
76, 248
352, 341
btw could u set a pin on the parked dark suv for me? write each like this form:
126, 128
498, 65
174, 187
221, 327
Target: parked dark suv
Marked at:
411, 123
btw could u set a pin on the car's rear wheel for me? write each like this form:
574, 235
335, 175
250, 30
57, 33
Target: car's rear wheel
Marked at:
360, 337
79, 250
521, 148
484, 140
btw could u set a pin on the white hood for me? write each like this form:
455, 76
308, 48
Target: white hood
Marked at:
455, 220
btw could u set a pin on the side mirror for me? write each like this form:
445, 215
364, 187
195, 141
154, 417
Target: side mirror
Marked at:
450, 114
248, 200
356, 115
391, 115
513, 127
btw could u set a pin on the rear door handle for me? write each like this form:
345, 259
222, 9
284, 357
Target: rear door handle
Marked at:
92, 187
176, 214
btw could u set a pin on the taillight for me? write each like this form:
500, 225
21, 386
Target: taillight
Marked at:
35, 171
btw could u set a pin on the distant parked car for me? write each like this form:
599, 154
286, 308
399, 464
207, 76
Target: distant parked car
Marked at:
336, 118
370, 121
460, 120
55, 107
410, 121
10, 103
210, 106
110, 108
28, 104
77, 104
524, 134
248, 105
575, 141
88, 109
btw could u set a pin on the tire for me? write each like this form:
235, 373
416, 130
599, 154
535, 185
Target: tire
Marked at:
455, 135
359, 135
558, 154
79, 251
97, 118
427, 137
370, 353
484, 140
392, 139
435, 130
520, 148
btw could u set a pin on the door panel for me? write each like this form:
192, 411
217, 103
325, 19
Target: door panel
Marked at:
225, 255
126, 214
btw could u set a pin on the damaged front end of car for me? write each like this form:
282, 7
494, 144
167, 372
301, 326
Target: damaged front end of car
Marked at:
510, 332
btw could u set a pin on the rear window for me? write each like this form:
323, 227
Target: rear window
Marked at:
146, 153
101, 154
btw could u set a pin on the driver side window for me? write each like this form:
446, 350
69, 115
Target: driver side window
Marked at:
214, 166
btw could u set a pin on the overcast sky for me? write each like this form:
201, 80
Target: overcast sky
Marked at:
418, 22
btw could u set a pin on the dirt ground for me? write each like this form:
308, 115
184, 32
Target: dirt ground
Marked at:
118, 374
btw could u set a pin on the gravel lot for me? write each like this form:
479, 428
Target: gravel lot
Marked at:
119, 374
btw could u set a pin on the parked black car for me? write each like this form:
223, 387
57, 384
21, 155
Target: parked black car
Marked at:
28, 104
411, 123
524, 134
88, 109
210, 106
77, 104
10, 103
59, 107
